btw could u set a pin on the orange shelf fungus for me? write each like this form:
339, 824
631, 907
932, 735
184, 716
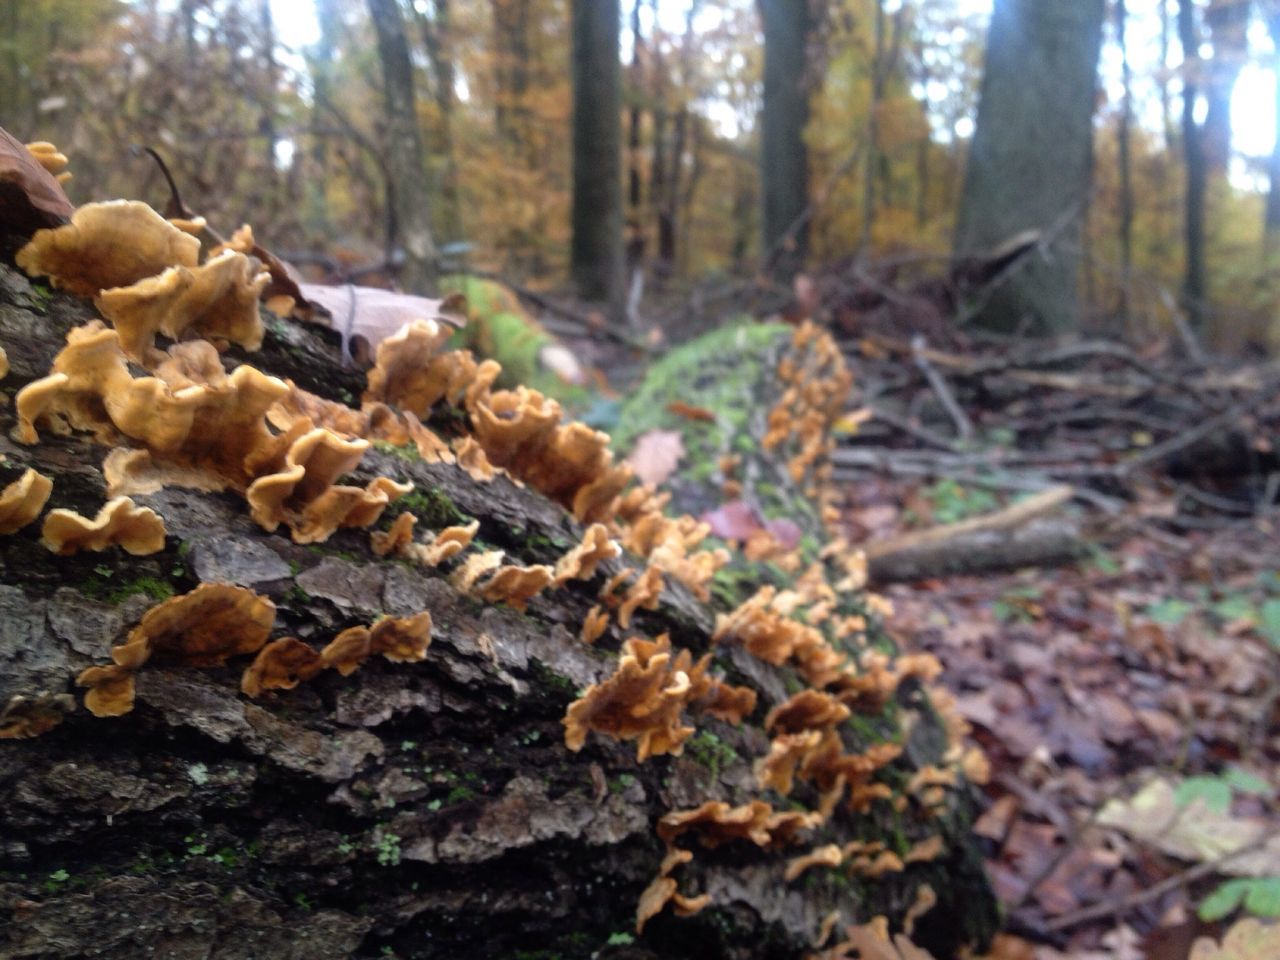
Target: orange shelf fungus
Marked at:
642, 700
120, 522
727, 702
110, 692
449, 542
515, 585
410, 373
716, 823
25, 717
22, 500
106, 245
581, 561
473, 568
281, 665
663, 890
471, 457
807, 710
396, 540
644, 593
777, 769
594, 624
4, 364
400, 640
785, 826
201, 628
216, 300
829, 856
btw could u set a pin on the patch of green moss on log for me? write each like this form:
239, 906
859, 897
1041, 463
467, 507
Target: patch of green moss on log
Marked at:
716, 372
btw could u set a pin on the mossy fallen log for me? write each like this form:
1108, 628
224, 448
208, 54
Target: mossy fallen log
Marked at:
430, 807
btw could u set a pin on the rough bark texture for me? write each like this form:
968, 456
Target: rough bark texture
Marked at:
406, 156
1029, 164
597, 153
412, 810
784, 158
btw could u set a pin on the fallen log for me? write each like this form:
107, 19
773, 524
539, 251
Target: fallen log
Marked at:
430, 801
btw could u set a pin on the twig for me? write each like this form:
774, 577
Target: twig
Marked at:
963, 427
1107, 907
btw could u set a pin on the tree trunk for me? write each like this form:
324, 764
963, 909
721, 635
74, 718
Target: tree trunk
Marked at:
417, 810
1271, 227
635, 120
511, 53
1228, 23
437, 38
410, 199
1030, 160
597, 155
784, 158
1194, 286
872, 142
1126, 165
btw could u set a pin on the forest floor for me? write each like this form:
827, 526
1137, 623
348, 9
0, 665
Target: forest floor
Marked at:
1146, 671
1129, 702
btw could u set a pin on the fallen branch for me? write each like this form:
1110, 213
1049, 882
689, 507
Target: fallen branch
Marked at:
1004, 540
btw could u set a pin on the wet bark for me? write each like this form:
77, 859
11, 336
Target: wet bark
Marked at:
413, 810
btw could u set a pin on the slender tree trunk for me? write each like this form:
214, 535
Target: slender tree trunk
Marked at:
1193, 284
511, 47
438, 41
1030, 163
597, 157
872, 142
267, 123
635, 120
1126, 164
784, 158
669, 202
1162, 78
1272, 224
406, 156
1228, 23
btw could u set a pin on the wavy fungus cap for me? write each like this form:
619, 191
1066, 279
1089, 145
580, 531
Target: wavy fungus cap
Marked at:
112, 244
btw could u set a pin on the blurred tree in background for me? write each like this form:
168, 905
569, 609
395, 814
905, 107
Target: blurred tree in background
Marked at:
280, 113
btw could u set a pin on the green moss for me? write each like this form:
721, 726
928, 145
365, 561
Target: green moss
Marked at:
717, 372
153, 587
548, 679
708, 750
460, 794
432, 508
405, 451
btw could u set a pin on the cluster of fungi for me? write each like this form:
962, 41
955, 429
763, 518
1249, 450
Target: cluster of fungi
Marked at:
189, 422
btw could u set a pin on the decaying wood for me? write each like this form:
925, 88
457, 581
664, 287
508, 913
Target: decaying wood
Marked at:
415, 809
1016, 536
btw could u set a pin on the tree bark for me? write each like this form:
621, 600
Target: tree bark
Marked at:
597, 255
419, 810
784, 158
410, 199
1030, 161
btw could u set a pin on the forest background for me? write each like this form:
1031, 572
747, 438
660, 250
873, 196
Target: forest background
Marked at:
274, 113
